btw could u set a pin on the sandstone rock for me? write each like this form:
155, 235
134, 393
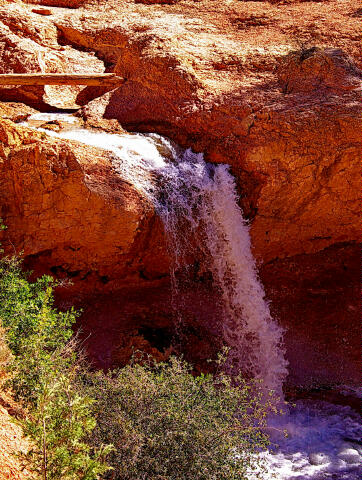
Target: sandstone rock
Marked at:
297, 161
316, 69
54, 125
307, 163
143, 314
107, 125
29, 43
69, 214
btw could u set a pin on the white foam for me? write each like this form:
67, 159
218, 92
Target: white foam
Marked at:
134, 155
134, 148
324, 441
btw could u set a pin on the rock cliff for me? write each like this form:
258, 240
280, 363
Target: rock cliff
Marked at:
68, 212
272, 88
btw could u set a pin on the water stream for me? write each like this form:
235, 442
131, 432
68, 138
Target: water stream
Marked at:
197, 203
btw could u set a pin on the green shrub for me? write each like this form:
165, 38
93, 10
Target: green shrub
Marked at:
35, 329
6, 357
167, 424
44, 368
58, 427
164, 423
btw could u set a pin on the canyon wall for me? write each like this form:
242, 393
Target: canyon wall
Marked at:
273, 89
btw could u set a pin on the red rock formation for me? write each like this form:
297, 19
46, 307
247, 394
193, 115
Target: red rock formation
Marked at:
316, 298
29, 44
274, 89
67, 212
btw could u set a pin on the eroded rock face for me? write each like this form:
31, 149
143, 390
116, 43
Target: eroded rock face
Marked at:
273, 89
316, 299
68, 213
298, 161
309, 175
29, 44
286, 119
16, 112
315, 69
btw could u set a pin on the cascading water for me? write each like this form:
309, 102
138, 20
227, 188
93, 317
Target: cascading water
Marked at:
198, 205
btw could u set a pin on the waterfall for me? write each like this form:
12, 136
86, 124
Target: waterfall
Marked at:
198, 205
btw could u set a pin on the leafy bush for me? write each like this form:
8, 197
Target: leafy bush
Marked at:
166, 424
35, 330
5, 354
59, 426
44, 368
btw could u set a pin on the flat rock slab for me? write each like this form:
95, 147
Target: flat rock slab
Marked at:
42, 11
95, 79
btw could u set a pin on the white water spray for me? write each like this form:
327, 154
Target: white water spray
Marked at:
198, 204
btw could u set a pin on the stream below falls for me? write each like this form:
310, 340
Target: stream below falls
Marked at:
197, 203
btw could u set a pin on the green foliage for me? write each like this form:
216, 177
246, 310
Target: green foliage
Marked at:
35, 330
167, 424
164, 423
44, 369
58, 427
5, 354
27, 309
